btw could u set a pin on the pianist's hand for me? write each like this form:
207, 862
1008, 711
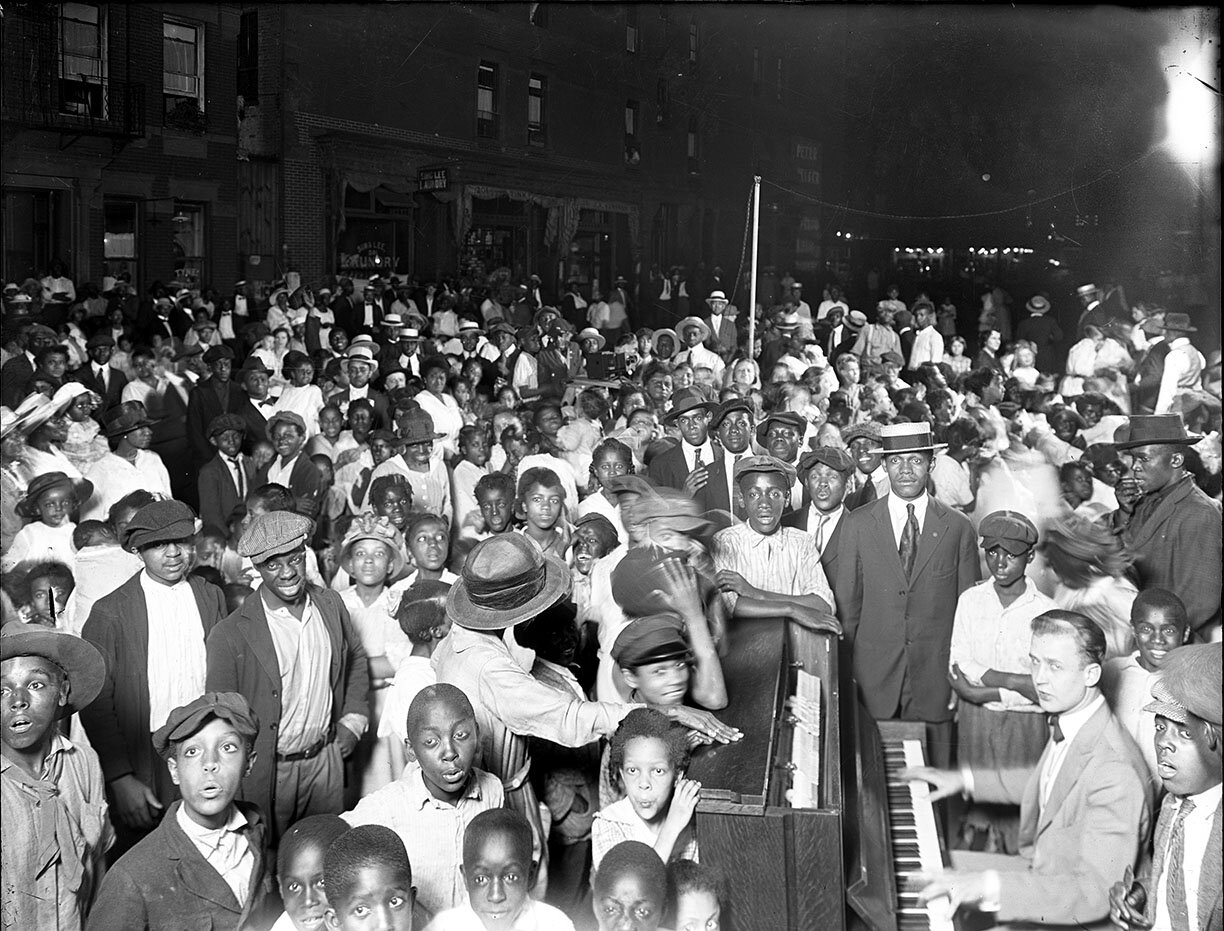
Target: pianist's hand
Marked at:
701, 721
960, 887
1122, 910
944, 782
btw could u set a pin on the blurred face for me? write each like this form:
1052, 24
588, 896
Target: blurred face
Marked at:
782, 442
338, 340
209, 551
370, 562
1091, 412
394, 504
381, 897
588, 547
698, 910
476, 449
1024, 357
208, 768
682, 377
495, 509
891, 371
1060, 675
32, 692
1077, 487
287, 440
1156, 633
694, 426
55, 505
765, 497
648, 777
907, 473
628, 905
359, 373
301, 887
827, 487
548, 421
284, 576
692, 336
168, 562
1153, 466
1005, 568
498, 880
380, 450
1185, 760
55, 365
101, 354
445, 744
744, 374
542, 506
280, 339
80, 408
848, 371
429, 545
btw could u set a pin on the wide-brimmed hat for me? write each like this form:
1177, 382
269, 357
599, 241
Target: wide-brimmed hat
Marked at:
592, 333
697, 322
1037, 305
906, 438
68, 392
80, 659
470, 328
717, 296
631, 483
416, 426
685, 400
39, 485
367, 526
1189, 683
1153, 430
666, 331
1179, 323
789, 418
787, 320
8, 421
126, 417
505, 580
284, 417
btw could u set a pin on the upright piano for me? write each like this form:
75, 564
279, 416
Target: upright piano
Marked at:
805, 818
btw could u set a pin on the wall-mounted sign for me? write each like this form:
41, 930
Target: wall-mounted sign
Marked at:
806, 156
433, 179
367, 256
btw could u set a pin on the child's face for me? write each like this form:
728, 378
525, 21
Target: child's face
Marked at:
394, 504
682, 377
263, 453
495, 509
1156, 633
516, 449
381, 897
417, 454
1006, 568
1065, 429
608, 466
326, 474
542, 506
429, 545
476, 449
301, 887
208, 768
228, 441
507, 398
498, 880
331, 423
648, 777
662, 683
55, 506
698, 910
628, 905
765, 497
445, 745
548, 421
588, 547
1079, 485
31, 694
463, 393
370, 561
380, 451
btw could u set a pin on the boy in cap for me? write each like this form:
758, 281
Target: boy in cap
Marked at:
51, 790
150, 630
825, 473
293, 651
228, 476
1181, 888
204, 865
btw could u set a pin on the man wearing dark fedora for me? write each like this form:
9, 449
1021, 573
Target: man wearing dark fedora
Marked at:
692, 464
1183, 365
97, 374
130, 465
1170, 524
903, 561
151, 633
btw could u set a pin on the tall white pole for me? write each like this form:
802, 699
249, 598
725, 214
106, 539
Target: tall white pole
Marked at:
752, 285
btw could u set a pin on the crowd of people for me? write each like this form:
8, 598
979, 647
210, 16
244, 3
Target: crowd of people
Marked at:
397, 604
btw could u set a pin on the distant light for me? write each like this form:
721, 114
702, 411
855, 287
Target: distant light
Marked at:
1055, 262
986, 177
1190, 114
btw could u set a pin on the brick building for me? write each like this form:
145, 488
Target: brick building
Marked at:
119, 140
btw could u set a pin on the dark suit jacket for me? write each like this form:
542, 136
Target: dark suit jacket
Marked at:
117, 721
1145, 383
908, 335
342, 307
256, 418
176, 324
828, 556
164, 882
354, 317
13, 377
725, 341
670, 468
304, 482
218, 493
985, 360
242, 658
111, 395
902, 628
382, 410
202, 406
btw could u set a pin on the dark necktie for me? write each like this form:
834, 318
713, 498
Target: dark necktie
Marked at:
909, 541
1056, 733
1174, 865
869, 490
239, 479
697, 463
102, 377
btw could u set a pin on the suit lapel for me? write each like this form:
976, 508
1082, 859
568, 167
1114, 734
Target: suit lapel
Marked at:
1209, 878
1153, 522
1073, 763
934, 528
195, 873
259, 637
884, 537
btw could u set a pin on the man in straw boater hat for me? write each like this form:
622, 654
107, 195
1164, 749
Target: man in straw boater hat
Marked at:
903, 562
1170, 524
723, 338
694, 332
1183, 364
507, 581
55, 821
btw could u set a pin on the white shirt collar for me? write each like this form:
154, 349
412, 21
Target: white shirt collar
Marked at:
1206, 802
690, 451
898, 512
1072, 722
209, 837
834, 517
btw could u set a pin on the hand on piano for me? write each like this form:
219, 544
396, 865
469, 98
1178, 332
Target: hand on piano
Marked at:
1126, 908
944, 782
957, 887
702, 722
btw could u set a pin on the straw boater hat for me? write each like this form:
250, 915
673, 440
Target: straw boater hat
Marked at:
906, 438
1153, 430
470, 328
592, 333
1038, 305
659, 334
697, 322
79, 659
505, 580
717, 296
364, 355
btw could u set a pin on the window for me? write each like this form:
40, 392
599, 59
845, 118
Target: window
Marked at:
188, 244
633, 148
631, 29
693, 149
486, 101
756, 72
82, 60
537, 15
537, 85
248, 56
693, 44
183, 74
120, 245
780, 81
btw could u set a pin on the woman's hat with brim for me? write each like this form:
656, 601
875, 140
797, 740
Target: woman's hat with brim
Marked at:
658, 334
697, 322
592, 333
906, 438
688, 399
505, 580
80, 659
8, 421
1179, 323
39, 485
40, 409
128, 416
369, 527
1038, 305
1154, 430
416, 426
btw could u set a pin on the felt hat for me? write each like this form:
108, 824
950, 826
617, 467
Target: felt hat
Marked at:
369, 527
620, 279
39, 485
670, 509
1009, 529
788, 418
834, 457
78, 658
655, 638
697, 322
631, 483
685, 400
666, 331
223, 422
1189, 683
274, 534
750, 465
501, 326
416, 426
126, 417
217, 353
187, 352
726, 407
186, 720
592, 333
1179, 323
254, 364
159, 522
716, 296
561, 325
505, 580
284, 417
906, 438
856, 319
1038, 305
1153, 430
100, 339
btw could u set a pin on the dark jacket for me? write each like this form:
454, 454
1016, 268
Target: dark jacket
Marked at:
218, 493
304, 482
112, 394
1145, 383
1042, 331
16, 372
164, 882
203, 405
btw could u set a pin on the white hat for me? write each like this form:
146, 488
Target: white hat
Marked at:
906, 438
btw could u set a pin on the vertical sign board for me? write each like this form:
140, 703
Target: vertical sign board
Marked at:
806, 165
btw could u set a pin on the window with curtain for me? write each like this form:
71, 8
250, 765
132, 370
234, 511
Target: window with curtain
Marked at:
120, 238
82, 60
486, 100
631, 29
633, 147
537, 87
183, 72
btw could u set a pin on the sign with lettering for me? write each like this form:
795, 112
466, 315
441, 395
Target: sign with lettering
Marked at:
433, 179
807, 158
367, 256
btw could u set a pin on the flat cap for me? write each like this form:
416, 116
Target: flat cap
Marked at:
223, 422
1189, 683
217, 353
186, 720
866, 430
651, 639
893, 357
598, 523
285, 417
786, 418
726, 407
1009, 529
833, 456
750, 465
274, 534
100, 339
159, 522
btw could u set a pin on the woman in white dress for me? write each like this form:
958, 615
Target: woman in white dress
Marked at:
85, 444
299, 395
444, 409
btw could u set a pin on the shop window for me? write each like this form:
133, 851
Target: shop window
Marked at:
248, 56
120, 239
537, 87
633, 146
631, 29
188, 244
756, 72
694, 154
183, 74
486, 101
82, 60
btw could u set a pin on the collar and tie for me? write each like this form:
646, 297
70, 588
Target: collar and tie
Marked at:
821, 523
266, 402
1179, 910
908, 549
1056, 733
239, 478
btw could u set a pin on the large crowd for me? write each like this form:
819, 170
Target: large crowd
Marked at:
401, 604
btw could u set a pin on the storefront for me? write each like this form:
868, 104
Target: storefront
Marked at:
376, 236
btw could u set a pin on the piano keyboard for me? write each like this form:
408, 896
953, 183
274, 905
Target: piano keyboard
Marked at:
916, 844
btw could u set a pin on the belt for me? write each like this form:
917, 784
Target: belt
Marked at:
308, 754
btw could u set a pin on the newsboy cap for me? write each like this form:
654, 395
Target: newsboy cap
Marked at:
1009, 529
274, 534
753, 464
159, 522
186, 720
1189, 683
834, 457
650, 639
223, 422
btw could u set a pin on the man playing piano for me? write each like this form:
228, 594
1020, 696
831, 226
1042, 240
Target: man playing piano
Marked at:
1084, 811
